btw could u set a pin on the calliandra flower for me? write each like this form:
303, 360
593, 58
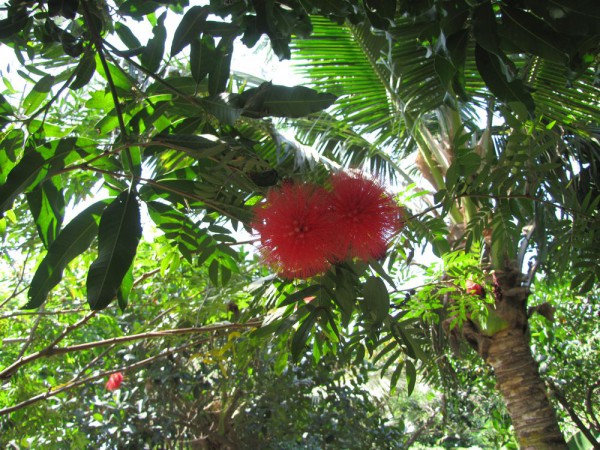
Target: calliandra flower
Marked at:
296, 230
367, 217
114, 381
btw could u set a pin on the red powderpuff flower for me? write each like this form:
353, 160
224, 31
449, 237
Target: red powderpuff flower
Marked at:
296, 230
114, 381
367, 217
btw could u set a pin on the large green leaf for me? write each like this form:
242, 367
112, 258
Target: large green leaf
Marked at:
47, 205
85, 70
302, 334
73, 240
189, 28
281, 101
13, 24
38, 93
532, 35
153, 52
497, 77
118, 235
377, 300
201, 57
218, 75
35, 166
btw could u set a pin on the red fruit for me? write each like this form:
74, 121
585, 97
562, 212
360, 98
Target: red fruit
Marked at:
367, 217
296, 230
475, 288
114, 381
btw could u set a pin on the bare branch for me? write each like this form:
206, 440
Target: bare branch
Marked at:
71, 385
52, 350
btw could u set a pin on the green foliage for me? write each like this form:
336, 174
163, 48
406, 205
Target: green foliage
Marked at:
172, 132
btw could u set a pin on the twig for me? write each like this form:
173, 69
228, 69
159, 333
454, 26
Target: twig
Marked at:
53, 392
7, 373
42, 313
52, 350
589, 405
49, 103
574, 417
152, 75
31, 335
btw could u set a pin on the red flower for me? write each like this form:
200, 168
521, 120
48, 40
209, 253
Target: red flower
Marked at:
475, 288
296, 230
366, 216
114, 381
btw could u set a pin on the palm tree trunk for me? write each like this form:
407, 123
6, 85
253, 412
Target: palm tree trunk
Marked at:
524, 392
517, 375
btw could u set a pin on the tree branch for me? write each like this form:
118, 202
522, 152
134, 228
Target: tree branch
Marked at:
574, 417
8, 372
53, 392
51, 350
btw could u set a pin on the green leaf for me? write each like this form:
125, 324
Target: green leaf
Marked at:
35, 166
125, 289
495, 74
121, 81
38, 94
85, 71
5, 108
213, 272
301, 294
189, 28
127, 36
283, 101
411, 376
202, 53
73, 240
532, 35
13, 24
221, 109
377, 300
155, 48
219, 73
118, 235
302, 334
397, 371
47, 206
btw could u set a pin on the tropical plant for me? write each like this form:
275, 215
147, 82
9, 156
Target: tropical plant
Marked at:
103, 113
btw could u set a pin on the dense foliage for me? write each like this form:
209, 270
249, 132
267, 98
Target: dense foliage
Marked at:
130, 174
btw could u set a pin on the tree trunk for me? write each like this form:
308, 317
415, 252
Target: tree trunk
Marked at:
524, 392
507, 350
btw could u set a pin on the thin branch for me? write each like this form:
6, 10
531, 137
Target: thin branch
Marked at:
152, 75
163, 187
53, 392
49, 103
43, 313
7, 372
98, 43
589, 405
29, 340
52, 350
574, 417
